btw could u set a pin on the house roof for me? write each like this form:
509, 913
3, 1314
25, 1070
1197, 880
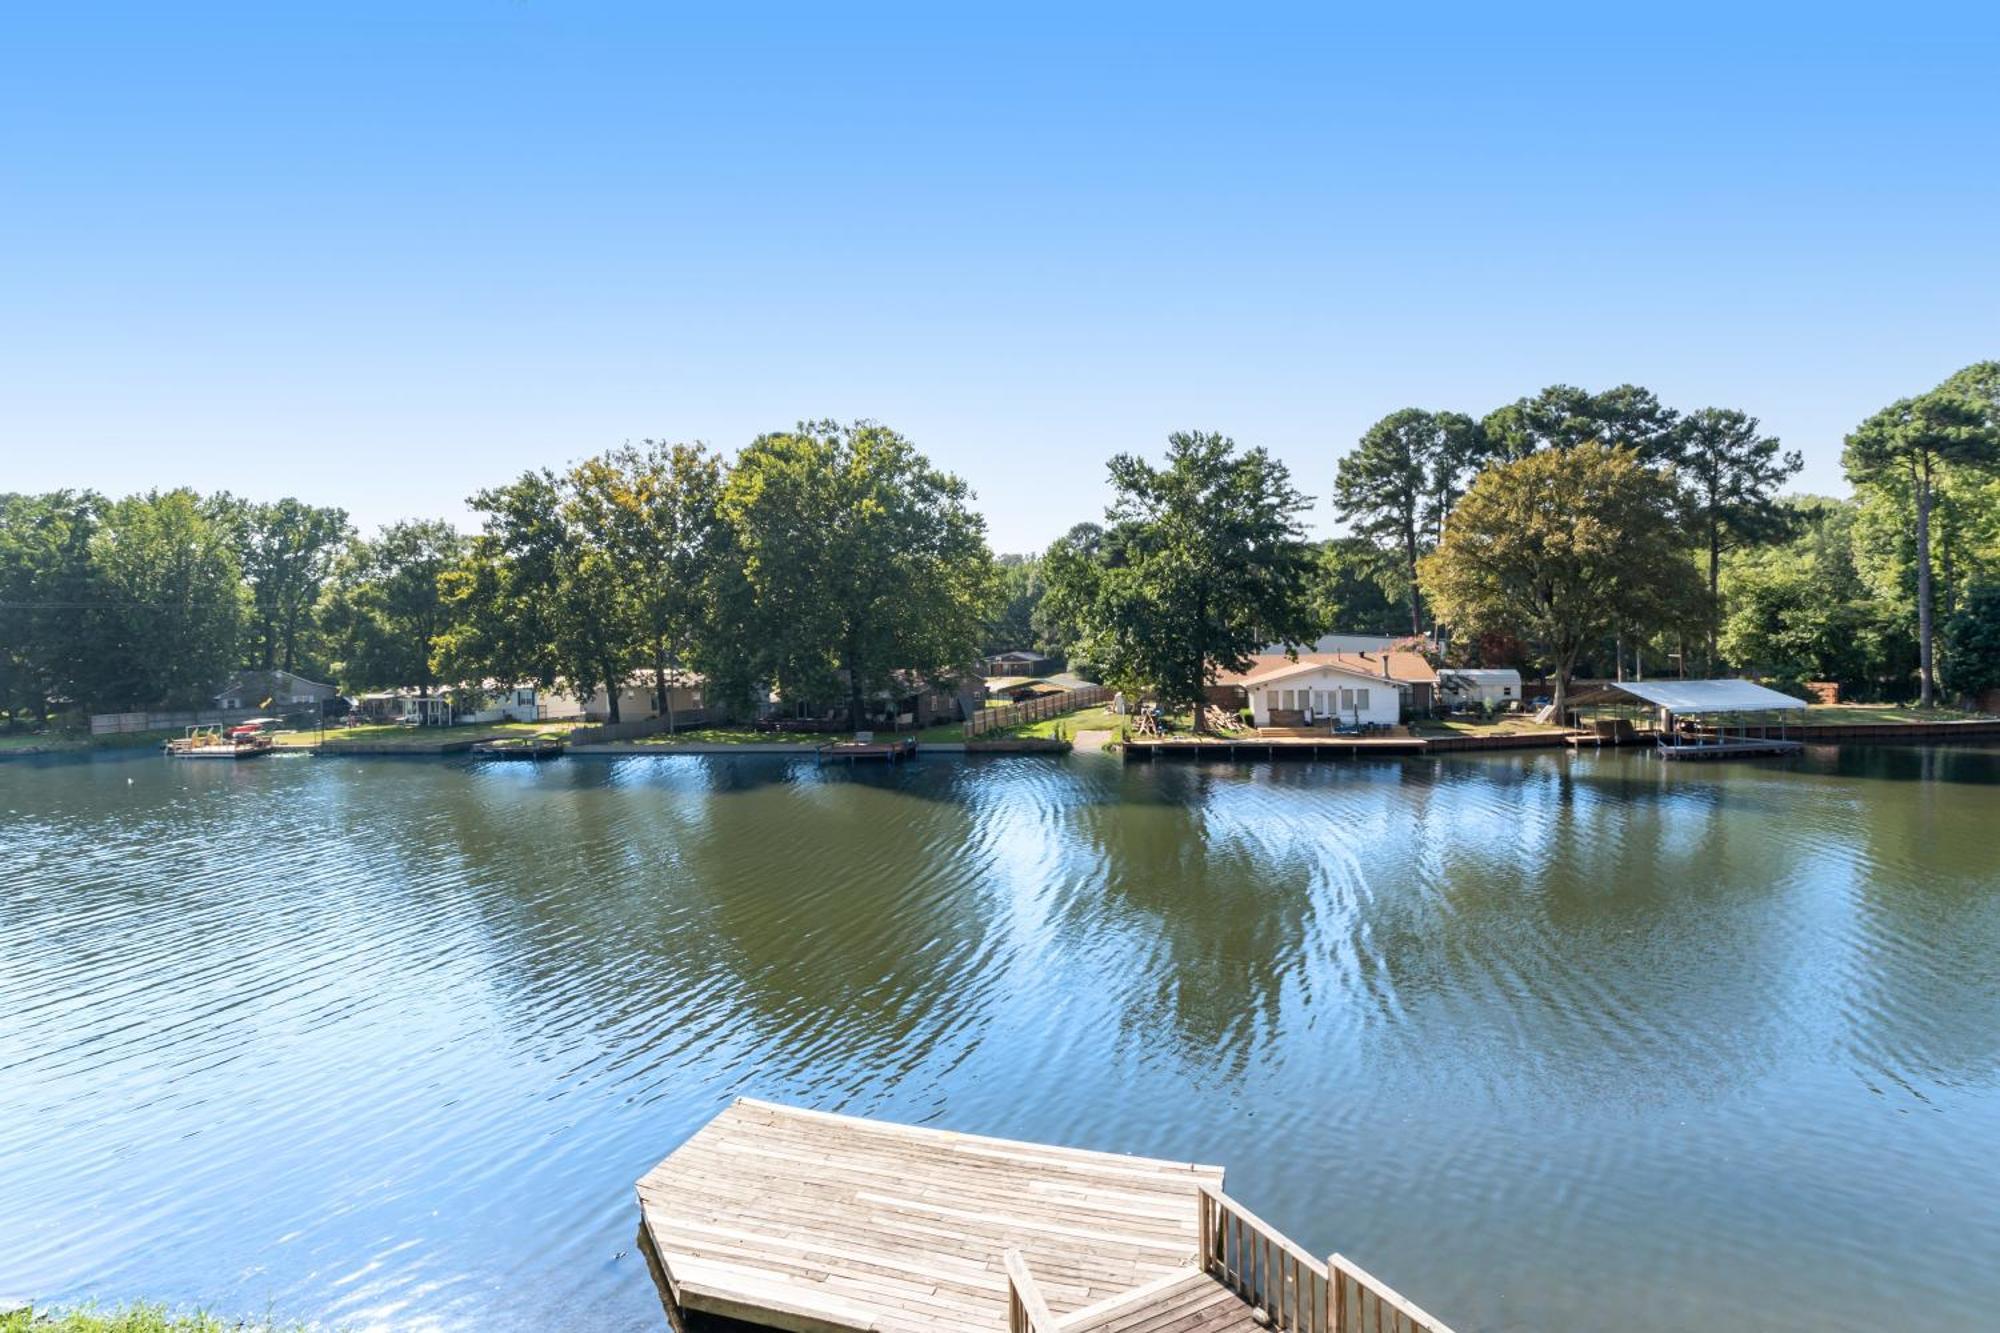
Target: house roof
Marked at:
273, 682
1404, 667
1698, 696
1482, 675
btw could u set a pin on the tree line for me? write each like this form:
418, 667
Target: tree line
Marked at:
1568, 530
1565, 531
828, 563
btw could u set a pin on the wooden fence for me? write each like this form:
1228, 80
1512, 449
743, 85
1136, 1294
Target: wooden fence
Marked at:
684, 718
115, 724
1002, 716
1297, 1292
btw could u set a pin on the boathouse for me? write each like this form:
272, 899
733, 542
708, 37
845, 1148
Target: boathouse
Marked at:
1697, 719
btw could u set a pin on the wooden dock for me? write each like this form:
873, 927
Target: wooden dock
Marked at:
884, 751
1732, 748
817, 1223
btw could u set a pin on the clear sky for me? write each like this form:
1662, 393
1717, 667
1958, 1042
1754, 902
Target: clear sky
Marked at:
380, 255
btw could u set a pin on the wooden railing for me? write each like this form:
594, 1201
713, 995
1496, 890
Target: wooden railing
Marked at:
984, 720
1358, 1303
1296, 1292
1256, 1262
1027, 1312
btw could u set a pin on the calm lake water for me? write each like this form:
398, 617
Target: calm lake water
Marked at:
1547, 1042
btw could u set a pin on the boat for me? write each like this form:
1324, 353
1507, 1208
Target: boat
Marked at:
246, 740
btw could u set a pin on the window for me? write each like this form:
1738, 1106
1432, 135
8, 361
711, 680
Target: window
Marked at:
1506, 691
1346, 698
1361, 700
524, 697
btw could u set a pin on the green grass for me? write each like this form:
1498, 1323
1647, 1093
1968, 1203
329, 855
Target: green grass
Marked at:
1514, 724
739, 736
391, 733
72, 742
1865, 714
136, 1318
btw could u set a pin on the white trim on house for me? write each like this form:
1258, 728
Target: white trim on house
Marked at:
1322, 692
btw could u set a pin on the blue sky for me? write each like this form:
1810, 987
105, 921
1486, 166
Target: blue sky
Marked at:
381, 255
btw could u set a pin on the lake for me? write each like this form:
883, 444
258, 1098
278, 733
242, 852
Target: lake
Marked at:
1544, 1041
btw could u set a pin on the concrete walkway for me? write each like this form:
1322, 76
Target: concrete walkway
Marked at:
1092, 742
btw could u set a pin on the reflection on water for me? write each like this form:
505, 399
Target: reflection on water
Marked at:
1546, 1041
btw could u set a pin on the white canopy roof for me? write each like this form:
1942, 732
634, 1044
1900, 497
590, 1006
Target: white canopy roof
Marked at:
1704, 696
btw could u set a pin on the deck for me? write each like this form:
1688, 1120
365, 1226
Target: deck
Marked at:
818, 1223
887, 751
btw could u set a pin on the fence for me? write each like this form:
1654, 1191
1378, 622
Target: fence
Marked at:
1297, 1292
632, 731
117, 724
998, 718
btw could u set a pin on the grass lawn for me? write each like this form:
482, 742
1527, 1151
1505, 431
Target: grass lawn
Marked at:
390, 733
139, 1318
1505, 725
1863, 714
71, 742
740, 736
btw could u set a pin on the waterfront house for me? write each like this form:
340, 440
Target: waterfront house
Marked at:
637, 699
1323, 688
1327, 688
277, 690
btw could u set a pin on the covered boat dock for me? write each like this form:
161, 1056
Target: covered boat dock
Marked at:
1698, 719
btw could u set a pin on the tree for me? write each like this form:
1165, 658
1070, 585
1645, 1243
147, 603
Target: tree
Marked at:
1351, 591
1799, 610
1064, 570
657, 510
861, 561
1203, 564
166, 604
287, 550
1561, 548
1021, 589
1563, 416
45, 588
386, 612
1730, 475
1912, 442
1384, 488
1972, 644
539, 595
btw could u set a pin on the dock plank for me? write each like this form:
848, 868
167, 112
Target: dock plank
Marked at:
813, 1222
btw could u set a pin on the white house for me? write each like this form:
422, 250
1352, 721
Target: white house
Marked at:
1311, 693
1499, 686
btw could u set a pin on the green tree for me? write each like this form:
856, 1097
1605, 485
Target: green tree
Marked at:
1799, 610
1384, 489
166, 607
1911, 443
861, 561
1021, 589
1563, 416
539, 595
385, 611
1562, 548
657, 511
1972, 644
287, 549
1065, 571
1204, 563
1730, 474
1353, 590
46, 584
